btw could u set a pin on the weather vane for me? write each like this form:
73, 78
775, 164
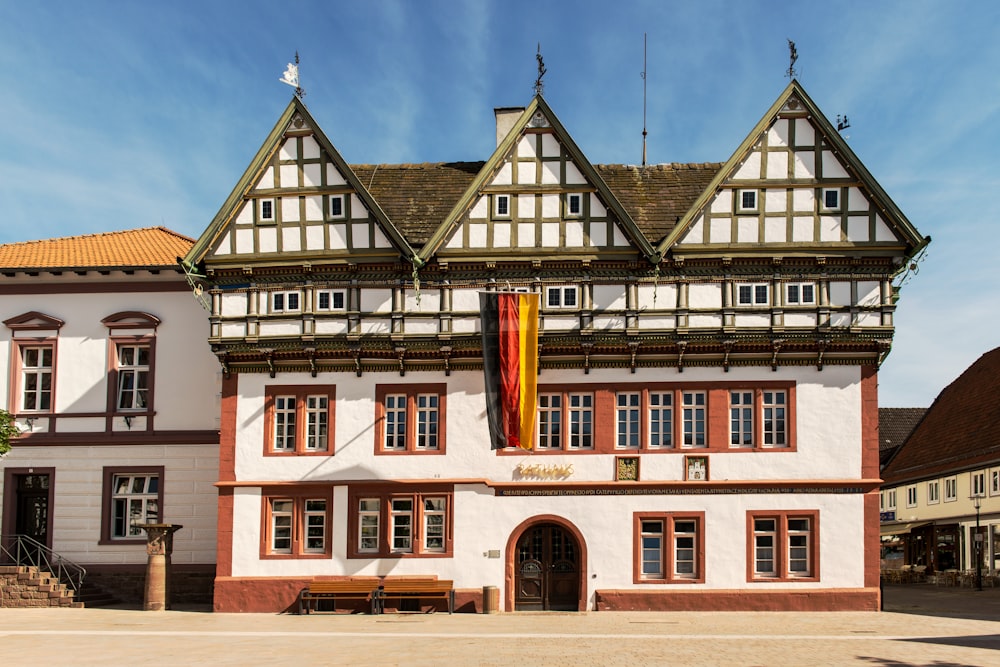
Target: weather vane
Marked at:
539, 86
291, 77
793, 55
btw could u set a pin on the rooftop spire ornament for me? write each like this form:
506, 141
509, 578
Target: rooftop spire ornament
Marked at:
539, 86
291, 77
793, 55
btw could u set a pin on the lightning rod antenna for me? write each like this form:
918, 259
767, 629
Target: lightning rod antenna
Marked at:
643, 75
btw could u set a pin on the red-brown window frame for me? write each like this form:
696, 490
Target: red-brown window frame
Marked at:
717, 435
107, 491
15, 397
298, 495
758, 390
300, 392
781, 545
668, 519
410, 391
385, 494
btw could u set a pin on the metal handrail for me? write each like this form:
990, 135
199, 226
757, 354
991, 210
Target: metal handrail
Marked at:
23, 550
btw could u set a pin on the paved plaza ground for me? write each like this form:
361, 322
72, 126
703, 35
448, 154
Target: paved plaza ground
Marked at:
922, 625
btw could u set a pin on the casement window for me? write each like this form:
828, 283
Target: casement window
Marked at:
746, 201
661, 419
800, 294
669, 548
995, 482
831, 199
574, 205
133, 372
951, 489
296, 524
284, 302
566, 421
911, 496
501, 206
628, 418
933, 492
693, 408
890, 500
410, 418
752, 294
299, 419
266, 210
336, 206
561, 297
132, 496
331, 299
757, 418
36, 377
978, 485
783, 546
401, 524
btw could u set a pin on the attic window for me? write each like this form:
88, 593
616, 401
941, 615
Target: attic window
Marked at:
831, 199
746, 201
574, 205
501, 206
336, 206
266, 209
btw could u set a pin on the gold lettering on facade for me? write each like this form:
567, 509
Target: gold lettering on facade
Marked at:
545, 470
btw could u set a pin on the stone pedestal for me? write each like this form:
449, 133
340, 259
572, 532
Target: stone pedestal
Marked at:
159, 546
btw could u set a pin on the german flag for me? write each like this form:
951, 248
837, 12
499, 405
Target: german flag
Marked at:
510, 366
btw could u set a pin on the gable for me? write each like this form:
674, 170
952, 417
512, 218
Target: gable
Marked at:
537, 196
299, 199
794, 184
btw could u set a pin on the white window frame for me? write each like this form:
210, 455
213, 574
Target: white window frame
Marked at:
685, 541
282, 525
550, 425
286, 301
501, 206
369, 528
799, 541
933, 492
314, 514
911, 496
401, 525
36, 378
795, 294
823, 201
395, 423
758, 294
332, 296
628, 419
652, 533
264, 206
741, 206
428, 420
140, 505
330, 215
562, 297
694, 415
317, 423
133, 378
977, 483
574, 197
741, 418
950, 489
435, 523
890, 500
661, 419
761, 535
284, 423
995, 482
580, 421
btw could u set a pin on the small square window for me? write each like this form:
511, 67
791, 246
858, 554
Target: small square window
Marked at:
502, 206
574, 205
831, 199
747, 200
267, 209
337, 206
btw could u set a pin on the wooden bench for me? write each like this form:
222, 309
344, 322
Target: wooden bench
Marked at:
338, 590
416, 589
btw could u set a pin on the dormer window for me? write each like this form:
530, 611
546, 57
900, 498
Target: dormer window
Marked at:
574, 205
282, 302
267, 210
746, 201
501, 206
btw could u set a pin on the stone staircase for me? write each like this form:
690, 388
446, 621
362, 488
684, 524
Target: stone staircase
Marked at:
27, 586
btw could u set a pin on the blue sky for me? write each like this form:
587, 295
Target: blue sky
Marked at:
117, 115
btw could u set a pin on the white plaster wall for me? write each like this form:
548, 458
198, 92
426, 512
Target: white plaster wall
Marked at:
705, 295
376, 301
609, 297
722, 202
656, 297
429, 302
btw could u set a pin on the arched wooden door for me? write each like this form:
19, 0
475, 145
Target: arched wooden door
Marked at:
547, 570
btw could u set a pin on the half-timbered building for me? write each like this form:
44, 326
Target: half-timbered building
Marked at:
709, 340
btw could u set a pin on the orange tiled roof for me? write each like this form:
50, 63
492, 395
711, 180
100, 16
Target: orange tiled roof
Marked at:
133, 248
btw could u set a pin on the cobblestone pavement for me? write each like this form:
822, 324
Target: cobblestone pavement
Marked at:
922, 626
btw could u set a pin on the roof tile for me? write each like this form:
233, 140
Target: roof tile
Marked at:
147, 247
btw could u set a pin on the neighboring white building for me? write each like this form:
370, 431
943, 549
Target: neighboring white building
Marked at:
709, 342
116, 393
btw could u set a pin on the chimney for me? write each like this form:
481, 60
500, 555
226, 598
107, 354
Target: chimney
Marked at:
505, 120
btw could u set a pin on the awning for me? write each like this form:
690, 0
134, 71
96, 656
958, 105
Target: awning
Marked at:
900, 528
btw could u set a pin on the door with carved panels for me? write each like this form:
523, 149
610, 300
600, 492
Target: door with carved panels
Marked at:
547, 570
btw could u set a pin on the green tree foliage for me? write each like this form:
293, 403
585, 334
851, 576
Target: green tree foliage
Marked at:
8, 431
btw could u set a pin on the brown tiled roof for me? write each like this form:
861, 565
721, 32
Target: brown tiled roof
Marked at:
148, 247
418, 197
894, 426
657, 196
961, 429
